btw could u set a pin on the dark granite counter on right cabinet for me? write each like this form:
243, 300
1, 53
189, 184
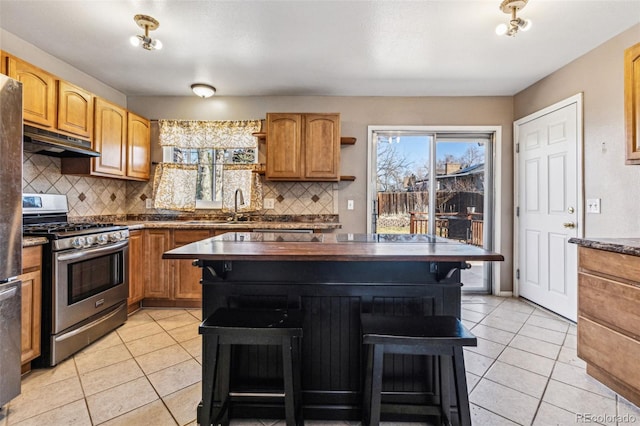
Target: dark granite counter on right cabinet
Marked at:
609, 312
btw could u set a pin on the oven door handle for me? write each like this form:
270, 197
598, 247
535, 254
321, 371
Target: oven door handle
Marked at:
93, 251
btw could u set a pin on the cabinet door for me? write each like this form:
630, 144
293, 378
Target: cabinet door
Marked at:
75, 110
3, 63
38, 92
138, 147
187, 277
31, 305
136, 267
284, 146
322, 147
31, 302
632, 102
158, 270
110, 139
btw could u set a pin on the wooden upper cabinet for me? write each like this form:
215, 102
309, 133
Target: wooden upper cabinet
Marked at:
124, 142
75, 110
138, 147
3, 63
632, 102
322, 146
110, 139
38, 92
303, 147
284, 147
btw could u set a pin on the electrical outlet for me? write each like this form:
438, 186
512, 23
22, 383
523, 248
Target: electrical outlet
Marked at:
269, 203
349, 204
148, 203
593, 205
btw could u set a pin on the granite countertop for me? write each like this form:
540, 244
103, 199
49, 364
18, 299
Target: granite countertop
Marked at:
208, 224
617, 245
34, 241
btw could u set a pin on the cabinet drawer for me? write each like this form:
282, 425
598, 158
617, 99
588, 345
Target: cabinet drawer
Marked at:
612, 302
610, 351
31, 258
609, 263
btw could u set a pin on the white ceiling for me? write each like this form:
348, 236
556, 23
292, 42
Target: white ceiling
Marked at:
351, 48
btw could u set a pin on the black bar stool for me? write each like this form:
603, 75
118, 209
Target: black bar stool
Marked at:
442, 336
226, 327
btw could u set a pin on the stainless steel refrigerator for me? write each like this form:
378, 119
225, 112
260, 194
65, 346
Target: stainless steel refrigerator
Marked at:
10, 236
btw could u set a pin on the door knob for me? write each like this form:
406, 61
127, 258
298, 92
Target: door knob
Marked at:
569, 225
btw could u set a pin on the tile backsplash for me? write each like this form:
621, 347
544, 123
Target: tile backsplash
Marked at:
93, 196
87, 196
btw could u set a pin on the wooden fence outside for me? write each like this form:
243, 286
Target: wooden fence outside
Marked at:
393, 203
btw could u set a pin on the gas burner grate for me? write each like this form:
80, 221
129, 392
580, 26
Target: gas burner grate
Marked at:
51, 228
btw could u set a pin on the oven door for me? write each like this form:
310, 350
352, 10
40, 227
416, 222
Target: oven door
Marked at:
88, 281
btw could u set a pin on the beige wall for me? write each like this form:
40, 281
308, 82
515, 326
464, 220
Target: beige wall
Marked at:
357, 113
599, 75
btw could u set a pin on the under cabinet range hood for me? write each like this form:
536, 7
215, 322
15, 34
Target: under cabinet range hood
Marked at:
45, 142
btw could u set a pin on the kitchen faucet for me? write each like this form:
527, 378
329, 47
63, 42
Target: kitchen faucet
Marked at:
235, 204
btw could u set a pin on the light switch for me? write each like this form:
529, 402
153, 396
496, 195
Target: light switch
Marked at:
269, 203
593, 205
148, 203
349, 204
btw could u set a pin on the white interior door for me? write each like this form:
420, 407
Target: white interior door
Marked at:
549, 205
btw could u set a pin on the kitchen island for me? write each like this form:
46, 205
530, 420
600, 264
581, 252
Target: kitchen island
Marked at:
332, 278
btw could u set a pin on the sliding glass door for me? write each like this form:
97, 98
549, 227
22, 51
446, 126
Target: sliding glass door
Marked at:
434, 182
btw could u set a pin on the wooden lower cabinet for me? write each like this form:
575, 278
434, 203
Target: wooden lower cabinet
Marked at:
171, 282
136, 269
157, 281
31, 278
186, 277
154, 281
609, 319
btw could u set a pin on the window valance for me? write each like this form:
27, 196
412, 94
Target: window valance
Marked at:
197, 134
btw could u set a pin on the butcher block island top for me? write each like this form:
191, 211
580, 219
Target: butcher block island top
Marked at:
333, 247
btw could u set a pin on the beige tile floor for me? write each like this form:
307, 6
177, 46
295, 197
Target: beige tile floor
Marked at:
524, 371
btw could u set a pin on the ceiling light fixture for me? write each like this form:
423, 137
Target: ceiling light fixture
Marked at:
147, 23
511, 7
203, 90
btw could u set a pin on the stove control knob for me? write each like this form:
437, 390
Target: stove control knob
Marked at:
90, 241
78, 242
102, 239
116, 236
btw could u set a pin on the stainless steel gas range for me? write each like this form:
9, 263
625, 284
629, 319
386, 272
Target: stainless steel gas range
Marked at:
84, 279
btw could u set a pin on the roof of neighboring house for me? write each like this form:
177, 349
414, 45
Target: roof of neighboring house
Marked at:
467, 171
471, 170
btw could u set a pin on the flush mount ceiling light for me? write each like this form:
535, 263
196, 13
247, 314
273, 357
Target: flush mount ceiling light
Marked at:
515, 24
203, 90
147, 23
